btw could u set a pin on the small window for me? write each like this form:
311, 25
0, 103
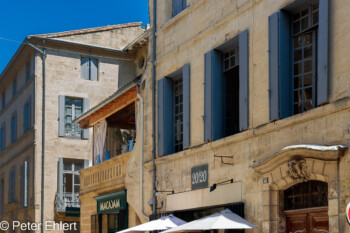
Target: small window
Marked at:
12, 185
13, 127
2, 137
72, 109
71, 177
27, 116
14, 87
178, 6
27, 71
3, 100
89, 68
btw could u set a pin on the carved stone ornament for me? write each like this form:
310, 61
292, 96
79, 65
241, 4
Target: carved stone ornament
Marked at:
298, 170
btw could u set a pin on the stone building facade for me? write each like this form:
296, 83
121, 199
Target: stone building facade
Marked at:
252, 114
265, 112
82, 67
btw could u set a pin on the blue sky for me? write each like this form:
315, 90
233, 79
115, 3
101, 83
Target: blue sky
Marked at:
19, 18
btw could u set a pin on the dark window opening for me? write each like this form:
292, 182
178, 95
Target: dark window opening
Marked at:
231, 102
306, 195
178, 114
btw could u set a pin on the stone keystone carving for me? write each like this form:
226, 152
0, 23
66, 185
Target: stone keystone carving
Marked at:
298, 170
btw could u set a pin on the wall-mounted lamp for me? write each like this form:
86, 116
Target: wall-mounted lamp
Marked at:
157, 191
213, 187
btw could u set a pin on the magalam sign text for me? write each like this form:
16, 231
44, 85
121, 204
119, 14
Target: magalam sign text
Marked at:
111, 202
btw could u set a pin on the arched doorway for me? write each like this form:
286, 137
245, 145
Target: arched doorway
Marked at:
305, 206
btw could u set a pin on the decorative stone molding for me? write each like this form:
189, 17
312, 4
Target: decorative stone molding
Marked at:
320, 152
298, 170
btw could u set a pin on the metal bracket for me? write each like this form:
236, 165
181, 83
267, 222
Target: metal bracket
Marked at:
222, 159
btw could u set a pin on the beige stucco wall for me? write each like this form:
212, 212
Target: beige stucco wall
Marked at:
204, 25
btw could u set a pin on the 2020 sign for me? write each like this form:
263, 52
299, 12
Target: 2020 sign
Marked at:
199, 177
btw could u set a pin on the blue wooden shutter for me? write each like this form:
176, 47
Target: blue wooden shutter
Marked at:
61, 120
243, 80
84, 68
25, 115
86, 107
86, 163
322, 53
93, 69
184, 4
165, 117
213, 98
176, 7
280, 81
186, 77
29, 121
22, 186
273, 67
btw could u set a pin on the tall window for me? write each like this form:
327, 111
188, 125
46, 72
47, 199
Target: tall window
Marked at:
71, 177
2, 137
174, 112
178, 113
298, 58
14, 87
226, 88
305, 24
27, 113
89, 68
12, 185
3, 100
14, 127
73, 109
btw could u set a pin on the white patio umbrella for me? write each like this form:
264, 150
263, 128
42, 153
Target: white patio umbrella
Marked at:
225, 219
163, 223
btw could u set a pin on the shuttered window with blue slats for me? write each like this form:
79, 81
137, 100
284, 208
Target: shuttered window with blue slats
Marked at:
298, 59
174, 112
226, 88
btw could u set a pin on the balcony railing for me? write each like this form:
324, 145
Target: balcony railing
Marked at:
64, 200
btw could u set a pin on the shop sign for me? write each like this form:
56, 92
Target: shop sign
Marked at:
199, 177
348, 213
111, 202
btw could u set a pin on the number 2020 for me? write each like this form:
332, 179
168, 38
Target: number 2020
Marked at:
199, 177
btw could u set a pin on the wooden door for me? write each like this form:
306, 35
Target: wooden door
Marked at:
313, 220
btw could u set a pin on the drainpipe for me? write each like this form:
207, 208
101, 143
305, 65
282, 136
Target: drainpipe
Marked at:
43, 55
141, 154
154, 105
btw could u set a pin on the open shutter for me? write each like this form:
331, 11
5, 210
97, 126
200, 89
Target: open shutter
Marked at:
186, 76
27, 183
86, 163
322, 53
184, 4
273, 67
86, 107
29, 121
94, 69
60, 176
243, 80
84, 68
213, 101
176, 7
61, 127
22, 185
165, 117
280, 82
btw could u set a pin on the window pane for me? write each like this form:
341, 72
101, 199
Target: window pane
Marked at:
297, 96
308, 39
76, 188
296, 27
304, 23
78, 166
308, 52
68, 111
67, 165
308, 94
297, 108
298, 68
298, 83
307, 105
308, 66
297, 42
67, 183
76, 179
297, 55
308, 80
304, 12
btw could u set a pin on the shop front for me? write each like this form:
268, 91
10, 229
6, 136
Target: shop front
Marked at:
112, 213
